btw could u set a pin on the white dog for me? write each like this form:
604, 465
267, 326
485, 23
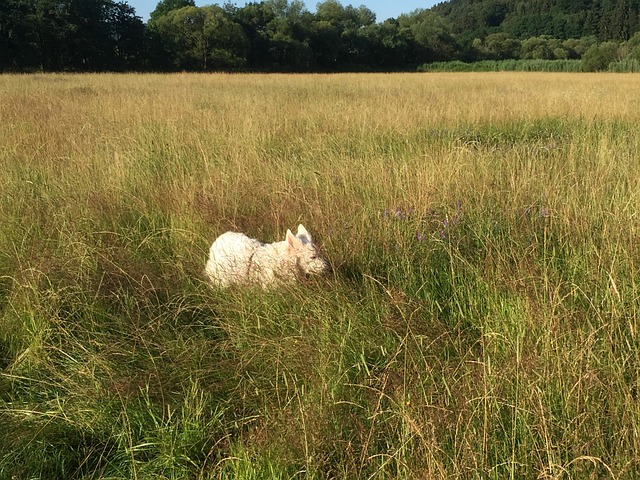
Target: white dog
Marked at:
236, 259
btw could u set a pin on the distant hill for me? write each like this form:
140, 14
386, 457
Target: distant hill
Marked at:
562, 19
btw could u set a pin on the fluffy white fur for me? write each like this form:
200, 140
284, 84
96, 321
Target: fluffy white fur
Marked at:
236, 259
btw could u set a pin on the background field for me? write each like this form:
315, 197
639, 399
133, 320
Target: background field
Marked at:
481, 321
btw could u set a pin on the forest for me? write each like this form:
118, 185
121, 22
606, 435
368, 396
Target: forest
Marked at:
285, 36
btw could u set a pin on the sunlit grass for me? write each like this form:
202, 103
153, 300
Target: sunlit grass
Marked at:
481, 318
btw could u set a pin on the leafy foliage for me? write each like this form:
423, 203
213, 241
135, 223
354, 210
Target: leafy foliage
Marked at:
202, 38
70, 35
165, 6
598, 57
562, 19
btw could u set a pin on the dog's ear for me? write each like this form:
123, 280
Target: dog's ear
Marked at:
292, 240
302, 233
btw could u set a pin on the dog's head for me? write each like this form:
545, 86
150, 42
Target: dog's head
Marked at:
308, 258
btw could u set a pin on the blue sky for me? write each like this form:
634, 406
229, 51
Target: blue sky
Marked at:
382, 8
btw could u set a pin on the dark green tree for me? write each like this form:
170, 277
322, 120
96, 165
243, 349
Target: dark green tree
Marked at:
126, 34
202, 38
598, 57
498, 46
494, 13
76, 35
391, 47
633, 46
345, 27
254, 18
288, 35
57, 23
19, 39
165, 6
623, 21
543, 47
325, 40
576, 47
432, 35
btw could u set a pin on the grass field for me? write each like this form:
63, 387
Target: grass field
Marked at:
481, 320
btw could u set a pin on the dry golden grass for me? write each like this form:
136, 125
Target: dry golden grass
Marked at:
482, 321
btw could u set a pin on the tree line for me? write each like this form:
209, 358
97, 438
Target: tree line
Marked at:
283, 35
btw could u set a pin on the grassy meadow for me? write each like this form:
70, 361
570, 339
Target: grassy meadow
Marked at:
481, 320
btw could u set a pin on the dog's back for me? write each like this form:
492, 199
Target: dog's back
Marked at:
230, 258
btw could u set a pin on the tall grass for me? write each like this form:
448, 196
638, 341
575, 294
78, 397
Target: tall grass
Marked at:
512, 65
481, 321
